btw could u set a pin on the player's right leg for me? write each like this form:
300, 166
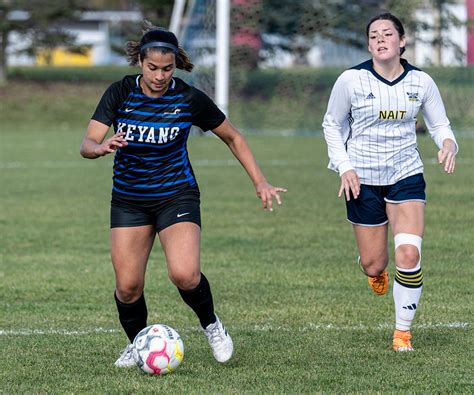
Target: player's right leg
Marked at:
368, 216
130, 249
373, 255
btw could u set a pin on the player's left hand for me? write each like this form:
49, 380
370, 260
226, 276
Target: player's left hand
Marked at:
266, 192
447, 155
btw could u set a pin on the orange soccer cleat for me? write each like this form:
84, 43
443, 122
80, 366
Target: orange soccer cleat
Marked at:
379, 284
401, 341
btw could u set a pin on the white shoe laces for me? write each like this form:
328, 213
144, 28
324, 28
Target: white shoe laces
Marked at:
127, 353
127, 350
220, 341
215, 333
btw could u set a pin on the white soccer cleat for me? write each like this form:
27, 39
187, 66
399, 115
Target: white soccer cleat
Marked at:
127, 358
219, 340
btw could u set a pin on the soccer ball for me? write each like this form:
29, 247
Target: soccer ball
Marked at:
158, 349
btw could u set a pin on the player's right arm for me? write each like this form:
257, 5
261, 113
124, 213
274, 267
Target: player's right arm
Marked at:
94, 146
339, 106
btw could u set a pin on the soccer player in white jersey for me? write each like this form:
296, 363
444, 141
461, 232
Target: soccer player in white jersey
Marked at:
369, 128
154, 189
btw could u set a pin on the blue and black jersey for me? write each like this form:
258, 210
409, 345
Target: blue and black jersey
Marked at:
155, 162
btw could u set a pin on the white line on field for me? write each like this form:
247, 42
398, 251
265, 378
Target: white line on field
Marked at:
51, 331
434, 161
322, 327
75, 164
233, 162
311, 327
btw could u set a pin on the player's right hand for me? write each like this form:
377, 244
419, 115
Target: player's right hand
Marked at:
349, 183
111, 144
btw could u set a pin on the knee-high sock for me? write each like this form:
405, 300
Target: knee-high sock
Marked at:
132, 316
407, 289
200, 300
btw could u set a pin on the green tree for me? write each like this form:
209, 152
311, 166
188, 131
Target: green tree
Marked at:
40, 22
341, 21
443, 20
245, 39
344, 21
157, 12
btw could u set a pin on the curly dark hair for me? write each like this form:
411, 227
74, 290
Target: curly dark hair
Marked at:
151, 33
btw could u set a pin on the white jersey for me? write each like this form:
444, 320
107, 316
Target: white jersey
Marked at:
370, 123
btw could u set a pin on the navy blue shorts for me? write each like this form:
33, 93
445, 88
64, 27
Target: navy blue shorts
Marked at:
369, 208
182, 207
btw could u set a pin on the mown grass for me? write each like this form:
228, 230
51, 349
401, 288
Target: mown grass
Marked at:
285, 283
283, 100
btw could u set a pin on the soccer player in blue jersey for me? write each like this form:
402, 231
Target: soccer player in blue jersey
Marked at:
154, 187
369, 128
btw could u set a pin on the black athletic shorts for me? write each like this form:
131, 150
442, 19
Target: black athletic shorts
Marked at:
369, 209
181, 207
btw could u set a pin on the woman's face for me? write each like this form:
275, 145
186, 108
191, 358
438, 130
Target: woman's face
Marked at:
384, 40
157, 70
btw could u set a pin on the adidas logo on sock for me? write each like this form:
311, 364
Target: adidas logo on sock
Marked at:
370, 96
410, 307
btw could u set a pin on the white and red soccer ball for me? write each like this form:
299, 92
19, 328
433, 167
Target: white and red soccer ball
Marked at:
158, 349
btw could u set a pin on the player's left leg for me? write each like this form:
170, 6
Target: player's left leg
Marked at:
407, 222
181, 244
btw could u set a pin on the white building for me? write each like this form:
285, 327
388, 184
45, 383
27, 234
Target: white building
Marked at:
99, 30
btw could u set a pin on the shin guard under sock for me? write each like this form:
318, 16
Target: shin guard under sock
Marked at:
407, 289
132, 316
200, 300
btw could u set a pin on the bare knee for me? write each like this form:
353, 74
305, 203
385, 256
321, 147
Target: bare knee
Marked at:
129, 293
407, 256
374, 266
185, 280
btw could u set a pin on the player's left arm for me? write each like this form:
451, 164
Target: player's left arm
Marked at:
439, 127
447, 155
239, 147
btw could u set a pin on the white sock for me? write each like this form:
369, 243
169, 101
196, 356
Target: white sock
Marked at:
406, 294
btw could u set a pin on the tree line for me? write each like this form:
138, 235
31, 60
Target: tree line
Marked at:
42, 22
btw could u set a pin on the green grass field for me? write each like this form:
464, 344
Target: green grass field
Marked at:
285, 283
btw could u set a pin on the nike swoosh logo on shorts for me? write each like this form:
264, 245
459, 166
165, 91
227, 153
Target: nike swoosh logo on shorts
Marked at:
180, 215
129, 109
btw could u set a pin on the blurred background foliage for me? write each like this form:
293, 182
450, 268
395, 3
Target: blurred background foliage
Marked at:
262, 99
295, 23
